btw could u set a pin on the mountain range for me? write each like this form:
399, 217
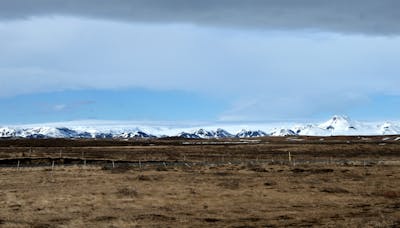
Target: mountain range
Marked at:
337, 125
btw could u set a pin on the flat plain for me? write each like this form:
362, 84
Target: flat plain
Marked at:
263, 182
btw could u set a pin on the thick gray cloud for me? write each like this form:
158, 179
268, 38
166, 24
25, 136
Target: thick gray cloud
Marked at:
376, 17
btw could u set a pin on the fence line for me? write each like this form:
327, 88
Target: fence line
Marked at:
53, 162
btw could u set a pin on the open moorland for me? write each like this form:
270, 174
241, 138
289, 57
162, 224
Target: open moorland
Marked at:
172, 182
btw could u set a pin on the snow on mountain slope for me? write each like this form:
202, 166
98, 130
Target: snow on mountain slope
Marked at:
283, 132
337, 125
250, 134
221, 133
188, 135
206, 134
310, 129
136, 134
202, 133
7, 132
388, 128
41, 132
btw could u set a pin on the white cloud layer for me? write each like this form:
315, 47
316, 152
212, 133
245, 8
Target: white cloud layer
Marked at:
275, 73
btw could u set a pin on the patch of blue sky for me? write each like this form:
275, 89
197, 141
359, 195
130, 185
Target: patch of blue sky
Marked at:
133, 104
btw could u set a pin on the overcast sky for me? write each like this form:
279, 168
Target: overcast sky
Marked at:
213, 60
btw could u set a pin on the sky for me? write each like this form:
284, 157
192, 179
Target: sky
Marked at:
210, 60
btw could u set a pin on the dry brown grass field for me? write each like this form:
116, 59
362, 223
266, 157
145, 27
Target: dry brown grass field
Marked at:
327, 182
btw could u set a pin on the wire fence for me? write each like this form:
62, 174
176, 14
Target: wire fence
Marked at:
290, 161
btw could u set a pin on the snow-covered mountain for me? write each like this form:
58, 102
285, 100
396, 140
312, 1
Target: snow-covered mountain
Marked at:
56, 132
205, 134
388, 128
283, 132
250, 134
7, 132
337, 125
343, 125
136, 134
188, 135
42, 132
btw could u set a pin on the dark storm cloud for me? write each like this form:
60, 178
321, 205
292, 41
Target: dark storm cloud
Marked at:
379, 17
